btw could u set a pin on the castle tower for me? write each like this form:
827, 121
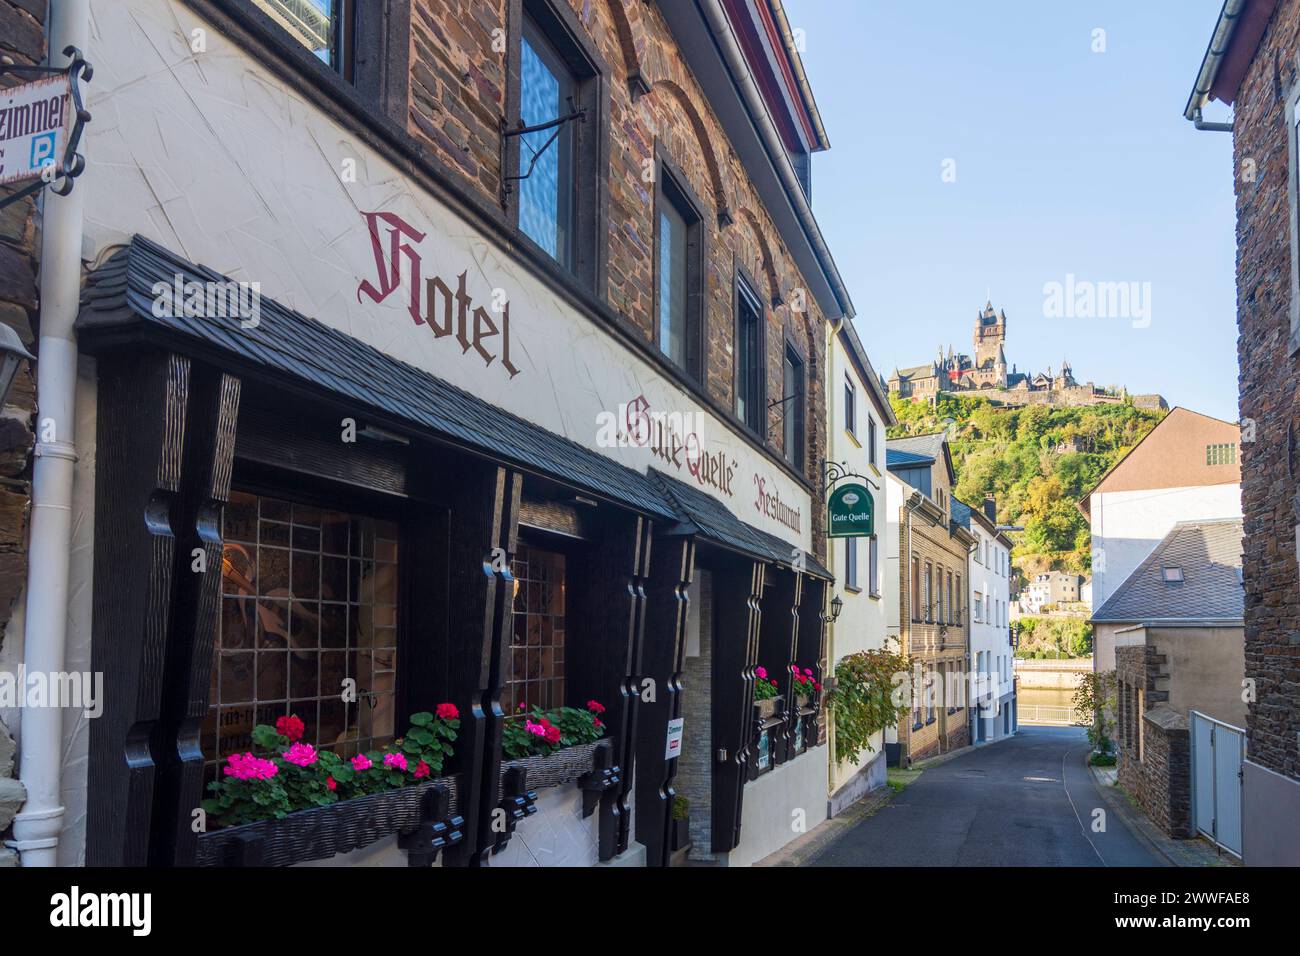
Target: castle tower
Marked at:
990, 335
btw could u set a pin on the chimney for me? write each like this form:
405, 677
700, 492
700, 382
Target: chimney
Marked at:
991, 509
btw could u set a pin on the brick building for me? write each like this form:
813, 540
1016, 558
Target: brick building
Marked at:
509, 337
933, 553
1251, 64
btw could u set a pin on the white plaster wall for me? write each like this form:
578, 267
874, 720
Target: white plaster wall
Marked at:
861, 624
781, 805
1127, 525
985, 636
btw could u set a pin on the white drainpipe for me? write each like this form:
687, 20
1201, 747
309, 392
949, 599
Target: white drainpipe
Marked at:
37, 827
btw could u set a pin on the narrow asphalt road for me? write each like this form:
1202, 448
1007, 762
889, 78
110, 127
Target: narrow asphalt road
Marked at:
1027, 801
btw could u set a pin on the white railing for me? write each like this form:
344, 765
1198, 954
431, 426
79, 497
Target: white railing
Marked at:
1046, 714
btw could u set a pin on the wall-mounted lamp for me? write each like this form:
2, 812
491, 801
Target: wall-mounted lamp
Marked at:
837, 605
12, 354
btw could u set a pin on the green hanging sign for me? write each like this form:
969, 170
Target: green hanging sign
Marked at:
852, 512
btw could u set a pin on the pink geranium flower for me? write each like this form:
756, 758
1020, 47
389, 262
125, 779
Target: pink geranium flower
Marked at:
247, 767
361, 762
760, 672
535, 729
808, 671
304, 755
395, 761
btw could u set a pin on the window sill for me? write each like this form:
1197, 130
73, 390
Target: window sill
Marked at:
848, 433
929, 721
874, 595
853, 589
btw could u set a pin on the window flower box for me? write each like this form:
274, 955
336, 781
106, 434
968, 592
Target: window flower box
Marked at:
561, 767
323, 832
765, 708
553, 746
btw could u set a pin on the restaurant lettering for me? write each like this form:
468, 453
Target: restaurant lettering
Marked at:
771, 505
433, 301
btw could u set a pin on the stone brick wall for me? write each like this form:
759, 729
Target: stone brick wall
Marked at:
22, 38
1270, 464
458, 98
1155, 762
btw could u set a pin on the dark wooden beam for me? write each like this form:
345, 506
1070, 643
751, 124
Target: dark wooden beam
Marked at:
141, 418
662, 662
777, 650
737, 604
208, 463
482, 536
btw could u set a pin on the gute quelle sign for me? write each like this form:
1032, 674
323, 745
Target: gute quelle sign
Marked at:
852, 512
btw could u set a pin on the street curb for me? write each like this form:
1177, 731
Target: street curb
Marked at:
1178, 853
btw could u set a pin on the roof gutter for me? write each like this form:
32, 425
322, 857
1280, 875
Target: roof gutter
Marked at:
720, 28
1229, 17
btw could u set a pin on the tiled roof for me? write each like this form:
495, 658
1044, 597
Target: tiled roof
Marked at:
704, 515
1209, 554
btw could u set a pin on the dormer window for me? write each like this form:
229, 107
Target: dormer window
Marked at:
1172, 574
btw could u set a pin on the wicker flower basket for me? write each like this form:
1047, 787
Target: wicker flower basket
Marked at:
559, 768
321, 832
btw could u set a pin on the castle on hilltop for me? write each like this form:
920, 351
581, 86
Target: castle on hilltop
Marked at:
987, 374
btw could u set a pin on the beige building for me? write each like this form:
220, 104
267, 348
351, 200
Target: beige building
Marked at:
934, 552
1186, 469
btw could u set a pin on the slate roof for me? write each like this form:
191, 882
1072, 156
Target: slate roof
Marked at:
704, 515
961, 513
117, 306
913, 450
916, 371
1209, 553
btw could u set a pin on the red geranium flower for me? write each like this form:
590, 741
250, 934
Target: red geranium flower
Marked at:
291, 726
421, 770
448, 712
331, 784
552, 734
595, 706
598, 722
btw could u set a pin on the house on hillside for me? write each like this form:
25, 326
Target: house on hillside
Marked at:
1185, 469
1177, 628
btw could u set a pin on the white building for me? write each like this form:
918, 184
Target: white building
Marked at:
992, 670
859, 413
1185, 469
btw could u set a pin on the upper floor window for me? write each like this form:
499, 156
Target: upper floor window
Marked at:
928, 595
553, 182
871, 440
749, 358
916, 589
679, 265
323, 26
1221, 454
850, 407
792, 421
547, 93
851, 563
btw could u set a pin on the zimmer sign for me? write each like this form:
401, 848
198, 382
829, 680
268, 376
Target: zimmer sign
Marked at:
852, 512
35, 120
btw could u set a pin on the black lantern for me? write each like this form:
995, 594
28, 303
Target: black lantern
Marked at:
12, 354
837, 605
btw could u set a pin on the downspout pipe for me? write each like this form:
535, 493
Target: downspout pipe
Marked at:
720, 27
38, 825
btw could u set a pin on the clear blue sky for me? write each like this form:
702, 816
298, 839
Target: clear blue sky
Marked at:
1067, 161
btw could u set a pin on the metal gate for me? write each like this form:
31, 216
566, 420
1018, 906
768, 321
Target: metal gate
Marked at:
1218, 750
